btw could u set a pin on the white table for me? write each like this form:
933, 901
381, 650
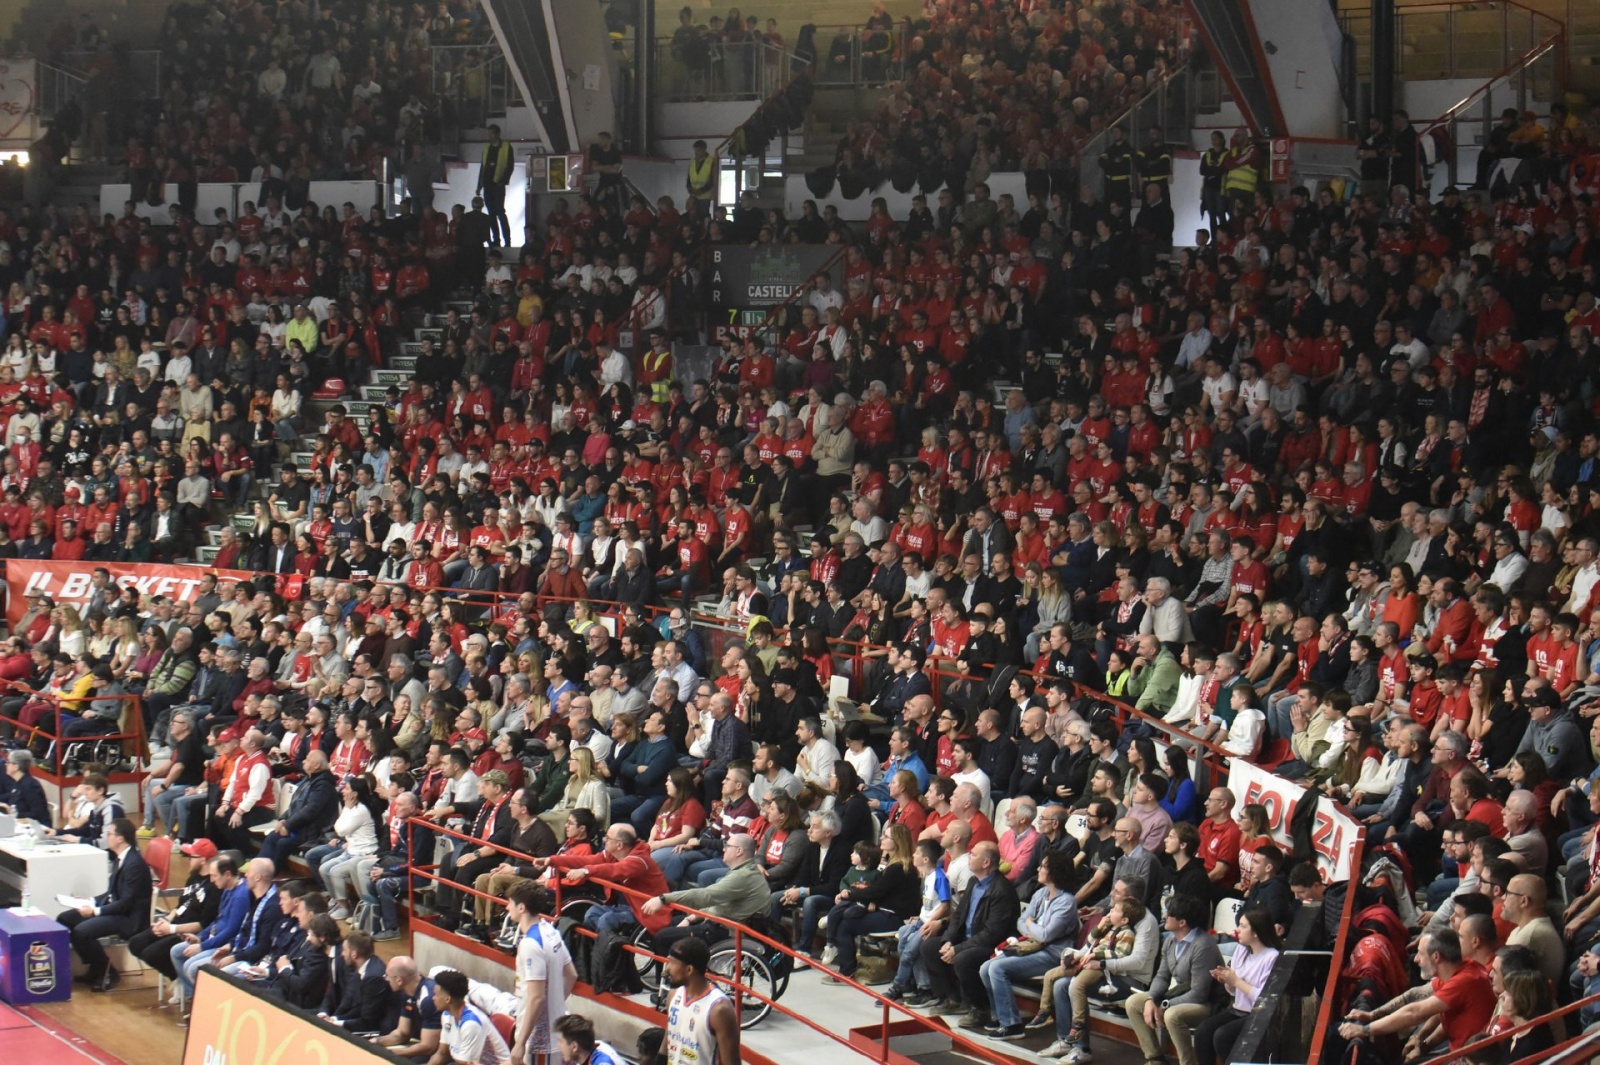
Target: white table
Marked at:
46, 870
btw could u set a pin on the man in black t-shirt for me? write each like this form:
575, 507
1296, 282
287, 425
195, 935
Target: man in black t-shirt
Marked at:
605, 160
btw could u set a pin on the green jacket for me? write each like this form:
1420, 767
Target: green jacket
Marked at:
1155, 688
550, 783
738, 896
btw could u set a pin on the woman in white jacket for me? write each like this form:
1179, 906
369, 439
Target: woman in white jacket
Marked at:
355, 837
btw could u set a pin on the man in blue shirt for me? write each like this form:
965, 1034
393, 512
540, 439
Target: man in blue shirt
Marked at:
196, 949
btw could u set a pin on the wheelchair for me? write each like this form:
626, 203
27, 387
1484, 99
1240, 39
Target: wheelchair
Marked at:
760, 968
648, 968
78, 752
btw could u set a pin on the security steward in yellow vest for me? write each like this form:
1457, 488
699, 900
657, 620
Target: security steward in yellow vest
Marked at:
702, 183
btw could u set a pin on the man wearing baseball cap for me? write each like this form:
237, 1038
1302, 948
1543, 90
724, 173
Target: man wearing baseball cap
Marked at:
492, 827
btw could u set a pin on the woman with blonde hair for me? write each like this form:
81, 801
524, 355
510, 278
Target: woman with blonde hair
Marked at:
1052, 607
583, 618
124, 646
585, 791
878, 904
73, 638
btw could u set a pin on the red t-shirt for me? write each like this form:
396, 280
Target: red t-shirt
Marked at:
1219, 843
1470, 997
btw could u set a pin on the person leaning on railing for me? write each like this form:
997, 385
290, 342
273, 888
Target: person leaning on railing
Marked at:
625, 862
740, 896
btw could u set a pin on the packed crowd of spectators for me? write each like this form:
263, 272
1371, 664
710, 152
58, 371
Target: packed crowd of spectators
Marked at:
998, 88
282, 94
1320, 492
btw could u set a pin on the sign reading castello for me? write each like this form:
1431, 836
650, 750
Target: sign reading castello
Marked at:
740, 277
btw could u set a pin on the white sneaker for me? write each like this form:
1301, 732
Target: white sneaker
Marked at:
1079, 1054
1059, 1049
830, 954
340, 912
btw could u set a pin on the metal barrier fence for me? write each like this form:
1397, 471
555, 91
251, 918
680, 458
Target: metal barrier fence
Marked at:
695, 67
59, 88
858, 57
49, 727
740, 935
472, 86
137, 71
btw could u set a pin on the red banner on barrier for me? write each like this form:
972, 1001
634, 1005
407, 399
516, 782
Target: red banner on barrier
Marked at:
69, 582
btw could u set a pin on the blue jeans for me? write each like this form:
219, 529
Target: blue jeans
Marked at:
710, 873
163, 804
185, 803
1442, 888
683, 867
236, 490
186, 968
997, 975
1585, 986
912, 973
1279, 724
383, 892
319, 854
811, 908
277, 848
613, 918
641, 813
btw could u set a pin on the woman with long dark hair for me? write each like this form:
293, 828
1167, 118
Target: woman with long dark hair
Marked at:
1244, 978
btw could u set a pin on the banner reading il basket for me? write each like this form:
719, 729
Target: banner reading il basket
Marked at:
234, 1024
69, 582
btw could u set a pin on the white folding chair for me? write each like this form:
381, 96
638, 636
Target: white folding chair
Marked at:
1225, 921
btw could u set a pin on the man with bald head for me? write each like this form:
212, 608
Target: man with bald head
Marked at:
1524, 906
985, 914
967, 805
1134, 861
248, 799
419, 1016
739, 895
1521, 820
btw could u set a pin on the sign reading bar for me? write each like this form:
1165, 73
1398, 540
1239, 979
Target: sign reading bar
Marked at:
234, 1024
69, 582
741, 277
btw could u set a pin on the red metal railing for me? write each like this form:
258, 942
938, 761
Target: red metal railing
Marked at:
60, 741
740, 935
1471, 1050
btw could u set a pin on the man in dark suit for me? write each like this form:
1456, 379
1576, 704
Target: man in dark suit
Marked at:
124, 910
823, 863
300, 975
358, 994
985, 914
311, 811
166, 530
280, 553
479, 576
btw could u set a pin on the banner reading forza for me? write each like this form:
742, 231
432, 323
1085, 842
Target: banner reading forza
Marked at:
234, 1024
69, 582
740, 277
1333, 833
